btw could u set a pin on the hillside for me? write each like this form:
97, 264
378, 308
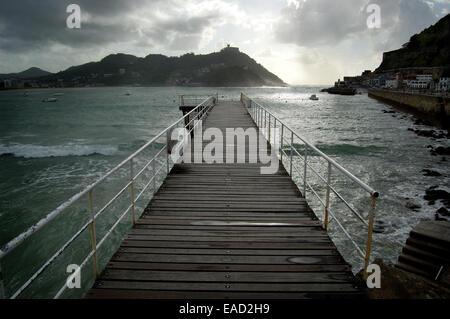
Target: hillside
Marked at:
229, 67
31, 73
429, 48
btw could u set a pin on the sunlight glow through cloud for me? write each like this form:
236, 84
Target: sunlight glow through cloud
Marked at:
302, 41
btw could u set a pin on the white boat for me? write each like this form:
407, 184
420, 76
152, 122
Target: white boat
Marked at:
313, 97
50, 99
58, 94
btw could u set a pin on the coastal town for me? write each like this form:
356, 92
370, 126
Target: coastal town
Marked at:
430, 80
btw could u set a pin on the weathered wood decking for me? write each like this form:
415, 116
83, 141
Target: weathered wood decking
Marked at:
226, 231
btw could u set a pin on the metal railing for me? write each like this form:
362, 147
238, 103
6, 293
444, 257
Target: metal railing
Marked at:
194, 100
198, 113
267, 121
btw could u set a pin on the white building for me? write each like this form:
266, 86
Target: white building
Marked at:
424, 78
391, 83
417, 84
444, 85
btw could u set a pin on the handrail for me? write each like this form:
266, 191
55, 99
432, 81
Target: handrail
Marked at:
200, 111
260, 114
369, 189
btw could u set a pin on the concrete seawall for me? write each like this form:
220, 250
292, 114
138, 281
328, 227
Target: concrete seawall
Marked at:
425, 104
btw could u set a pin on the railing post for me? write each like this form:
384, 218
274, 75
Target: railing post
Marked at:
270, 117
167, 151
265, 123
154, 175
281, 142
292, 153
327, 199
369, 234
93, 239
260, 117
274, 130
2, 287
304, 171
133, 217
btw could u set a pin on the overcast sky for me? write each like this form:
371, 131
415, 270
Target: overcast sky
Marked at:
301, 41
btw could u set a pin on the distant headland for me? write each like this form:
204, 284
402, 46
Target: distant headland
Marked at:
228, 67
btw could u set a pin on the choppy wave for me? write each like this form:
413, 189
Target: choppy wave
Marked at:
349, 149
41, 151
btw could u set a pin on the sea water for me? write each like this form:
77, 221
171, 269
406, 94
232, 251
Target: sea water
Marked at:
51, 151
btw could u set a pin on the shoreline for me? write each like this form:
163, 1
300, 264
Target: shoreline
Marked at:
430, 112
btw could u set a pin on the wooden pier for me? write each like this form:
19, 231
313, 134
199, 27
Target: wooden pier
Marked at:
226, 231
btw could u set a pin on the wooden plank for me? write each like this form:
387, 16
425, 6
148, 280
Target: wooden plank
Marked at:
309, 232
293, 239
229, 244
227, 267
97, 293
218, 251
229, 277
211, 286
229, 259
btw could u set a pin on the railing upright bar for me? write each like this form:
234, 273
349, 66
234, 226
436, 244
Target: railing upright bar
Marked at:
369, 234
268, 133
2, 287
265, 123
167, 152
304, 171
133, 216
292, 153
327, 198
93, 239
281, 141
154, 175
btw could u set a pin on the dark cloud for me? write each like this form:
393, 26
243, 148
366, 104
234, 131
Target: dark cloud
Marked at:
327, 23
35, 25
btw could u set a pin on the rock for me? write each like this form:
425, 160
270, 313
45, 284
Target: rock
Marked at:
443, 211
399, 284
412, 206
433, 194
422, 122
441, 150
429, 172
437, 218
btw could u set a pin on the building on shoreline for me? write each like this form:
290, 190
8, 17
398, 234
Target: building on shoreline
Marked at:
431, 80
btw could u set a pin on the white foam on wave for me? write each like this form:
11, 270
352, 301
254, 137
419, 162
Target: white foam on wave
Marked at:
41, 151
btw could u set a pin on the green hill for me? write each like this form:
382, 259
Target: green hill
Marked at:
229, 67
429, 48
31, 73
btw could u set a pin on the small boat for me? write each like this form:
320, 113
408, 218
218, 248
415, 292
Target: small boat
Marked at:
58, 94
127, 93
313, 97
50, 99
